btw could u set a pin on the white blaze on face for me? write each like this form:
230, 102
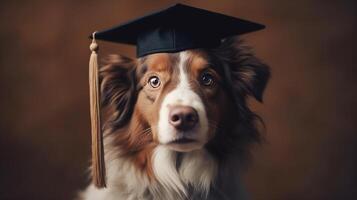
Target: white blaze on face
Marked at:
182, 95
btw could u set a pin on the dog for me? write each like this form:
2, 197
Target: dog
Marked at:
179, 126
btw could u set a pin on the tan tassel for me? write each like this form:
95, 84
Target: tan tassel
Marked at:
98, 164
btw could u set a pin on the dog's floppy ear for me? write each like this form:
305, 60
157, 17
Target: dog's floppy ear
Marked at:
118, 87
247, 73
253, 74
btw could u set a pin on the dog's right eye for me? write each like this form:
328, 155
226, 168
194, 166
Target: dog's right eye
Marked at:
154, 81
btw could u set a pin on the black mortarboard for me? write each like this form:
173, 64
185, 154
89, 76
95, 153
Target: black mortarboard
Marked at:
173, 29
177, 28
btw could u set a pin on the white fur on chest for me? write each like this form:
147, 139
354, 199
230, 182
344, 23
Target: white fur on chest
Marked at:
197, 170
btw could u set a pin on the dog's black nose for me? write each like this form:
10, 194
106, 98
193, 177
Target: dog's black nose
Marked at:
183, 118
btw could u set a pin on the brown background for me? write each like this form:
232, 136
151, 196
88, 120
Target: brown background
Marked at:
310, 103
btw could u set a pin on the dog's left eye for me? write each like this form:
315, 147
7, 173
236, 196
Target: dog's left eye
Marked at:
154, 81
207, 79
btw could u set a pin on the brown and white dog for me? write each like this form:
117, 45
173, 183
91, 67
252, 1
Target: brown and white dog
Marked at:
180, 125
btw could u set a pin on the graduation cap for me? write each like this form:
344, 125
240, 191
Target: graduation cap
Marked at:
176, 28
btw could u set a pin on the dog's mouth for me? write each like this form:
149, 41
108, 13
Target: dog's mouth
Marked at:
183, 140
184, 144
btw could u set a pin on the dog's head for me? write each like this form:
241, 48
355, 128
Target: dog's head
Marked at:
186, 100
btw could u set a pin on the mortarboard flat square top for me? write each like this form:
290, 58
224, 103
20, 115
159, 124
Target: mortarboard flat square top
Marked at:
177, 28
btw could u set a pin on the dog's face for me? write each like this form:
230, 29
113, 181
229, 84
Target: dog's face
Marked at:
183, 98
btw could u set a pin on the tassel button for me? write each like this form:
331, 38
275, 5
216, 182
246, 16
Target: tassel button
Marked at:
94, 47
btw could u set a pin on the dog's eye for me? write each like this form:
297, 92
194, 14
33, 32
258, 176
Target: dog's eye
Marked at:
207, 79
154, 81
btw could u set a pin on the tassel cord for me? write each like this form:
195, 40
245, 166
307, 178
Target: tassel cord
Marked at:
98, 164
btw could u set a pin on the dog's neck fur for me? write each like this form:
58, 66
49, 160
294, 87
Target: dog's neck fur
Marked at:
191, 175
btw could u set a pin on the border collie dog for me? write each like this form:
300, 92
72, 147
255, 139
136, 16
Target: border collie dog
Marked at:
179, 125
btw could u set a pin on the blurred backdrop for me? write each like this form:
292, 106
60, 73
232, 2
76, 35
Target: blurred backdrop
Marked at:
310, 106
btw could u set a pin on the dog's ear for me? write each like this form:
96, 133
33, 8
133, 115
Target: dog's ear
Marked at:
248, 74
118, 87
253, 75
